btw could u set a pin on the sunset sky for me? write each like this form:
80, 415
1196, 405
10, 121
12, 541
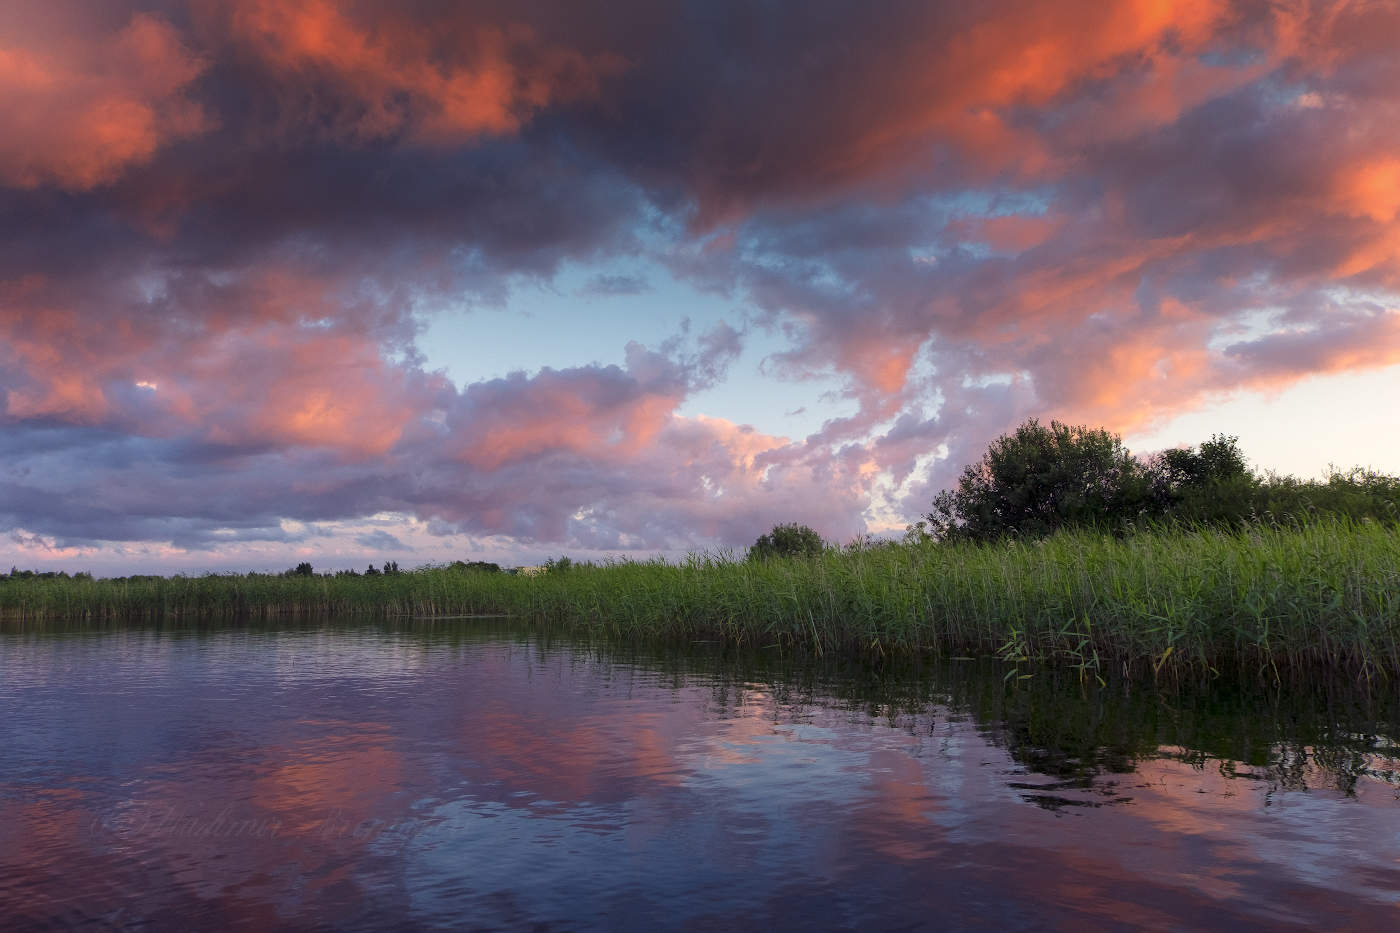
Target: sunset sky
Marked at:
422, 280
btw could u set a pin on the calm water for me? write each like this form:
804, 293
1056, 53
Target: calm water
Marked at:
344, 777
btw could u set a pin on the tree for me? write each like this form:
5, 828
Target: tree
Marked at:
476, 566
1217, 461
1039, 479
302, 569
791, 540
1211, 483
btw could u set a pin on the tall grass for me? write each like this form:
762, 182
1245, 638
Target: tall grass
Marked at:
1323, 594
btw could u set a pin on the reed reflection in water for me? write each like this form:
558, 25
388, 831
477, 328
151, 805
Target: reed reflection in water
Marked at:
455, 775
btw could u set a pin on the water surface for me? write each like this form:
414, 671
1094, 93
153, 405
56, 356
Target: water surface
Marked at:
465, 775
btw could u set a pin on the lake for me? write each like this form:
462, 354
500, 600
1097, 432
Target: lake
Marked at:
471, 775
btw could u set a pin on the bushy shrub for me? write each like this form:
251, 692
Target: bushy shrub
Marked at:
791, 540
1358, 494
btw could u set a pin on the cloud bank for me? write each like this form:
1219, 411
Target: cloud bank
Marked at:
223, 227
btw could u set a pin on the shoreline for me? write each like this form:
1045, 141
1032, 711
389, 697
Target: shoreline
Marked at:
1325, 595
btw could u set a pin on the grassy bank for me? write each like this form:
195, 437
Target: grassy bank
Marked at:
1326, 594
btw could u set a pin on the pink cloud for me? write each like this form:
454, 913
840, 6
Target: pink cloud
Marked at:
77, 110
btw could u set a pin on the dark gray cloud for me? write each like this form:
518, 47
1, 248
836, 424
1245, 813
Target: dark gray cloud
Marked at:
602, 286
380, 540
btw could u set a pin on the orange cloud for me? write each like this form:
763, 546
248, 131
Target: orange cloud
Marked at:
1033, 51
399, 76
965, 80
1131, 378
562, 412
65, 381
1370, 189
267, 371
883, 367
77, 112
1011, 233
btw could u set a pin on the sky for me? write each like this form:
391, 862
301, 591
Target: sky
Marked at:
287, 280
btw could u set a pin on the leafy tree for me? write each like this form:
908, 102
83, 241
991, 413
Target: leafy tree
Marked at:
302, 569
1210, 484
1039, 479
562, 565
1217, 461
790, 540
478, 566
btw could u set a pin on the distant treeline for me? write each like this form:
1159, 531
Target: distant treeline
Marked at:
17, 574
303, 569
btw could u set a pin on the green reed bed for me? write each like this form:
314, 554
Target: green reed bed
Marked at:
1325, 594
